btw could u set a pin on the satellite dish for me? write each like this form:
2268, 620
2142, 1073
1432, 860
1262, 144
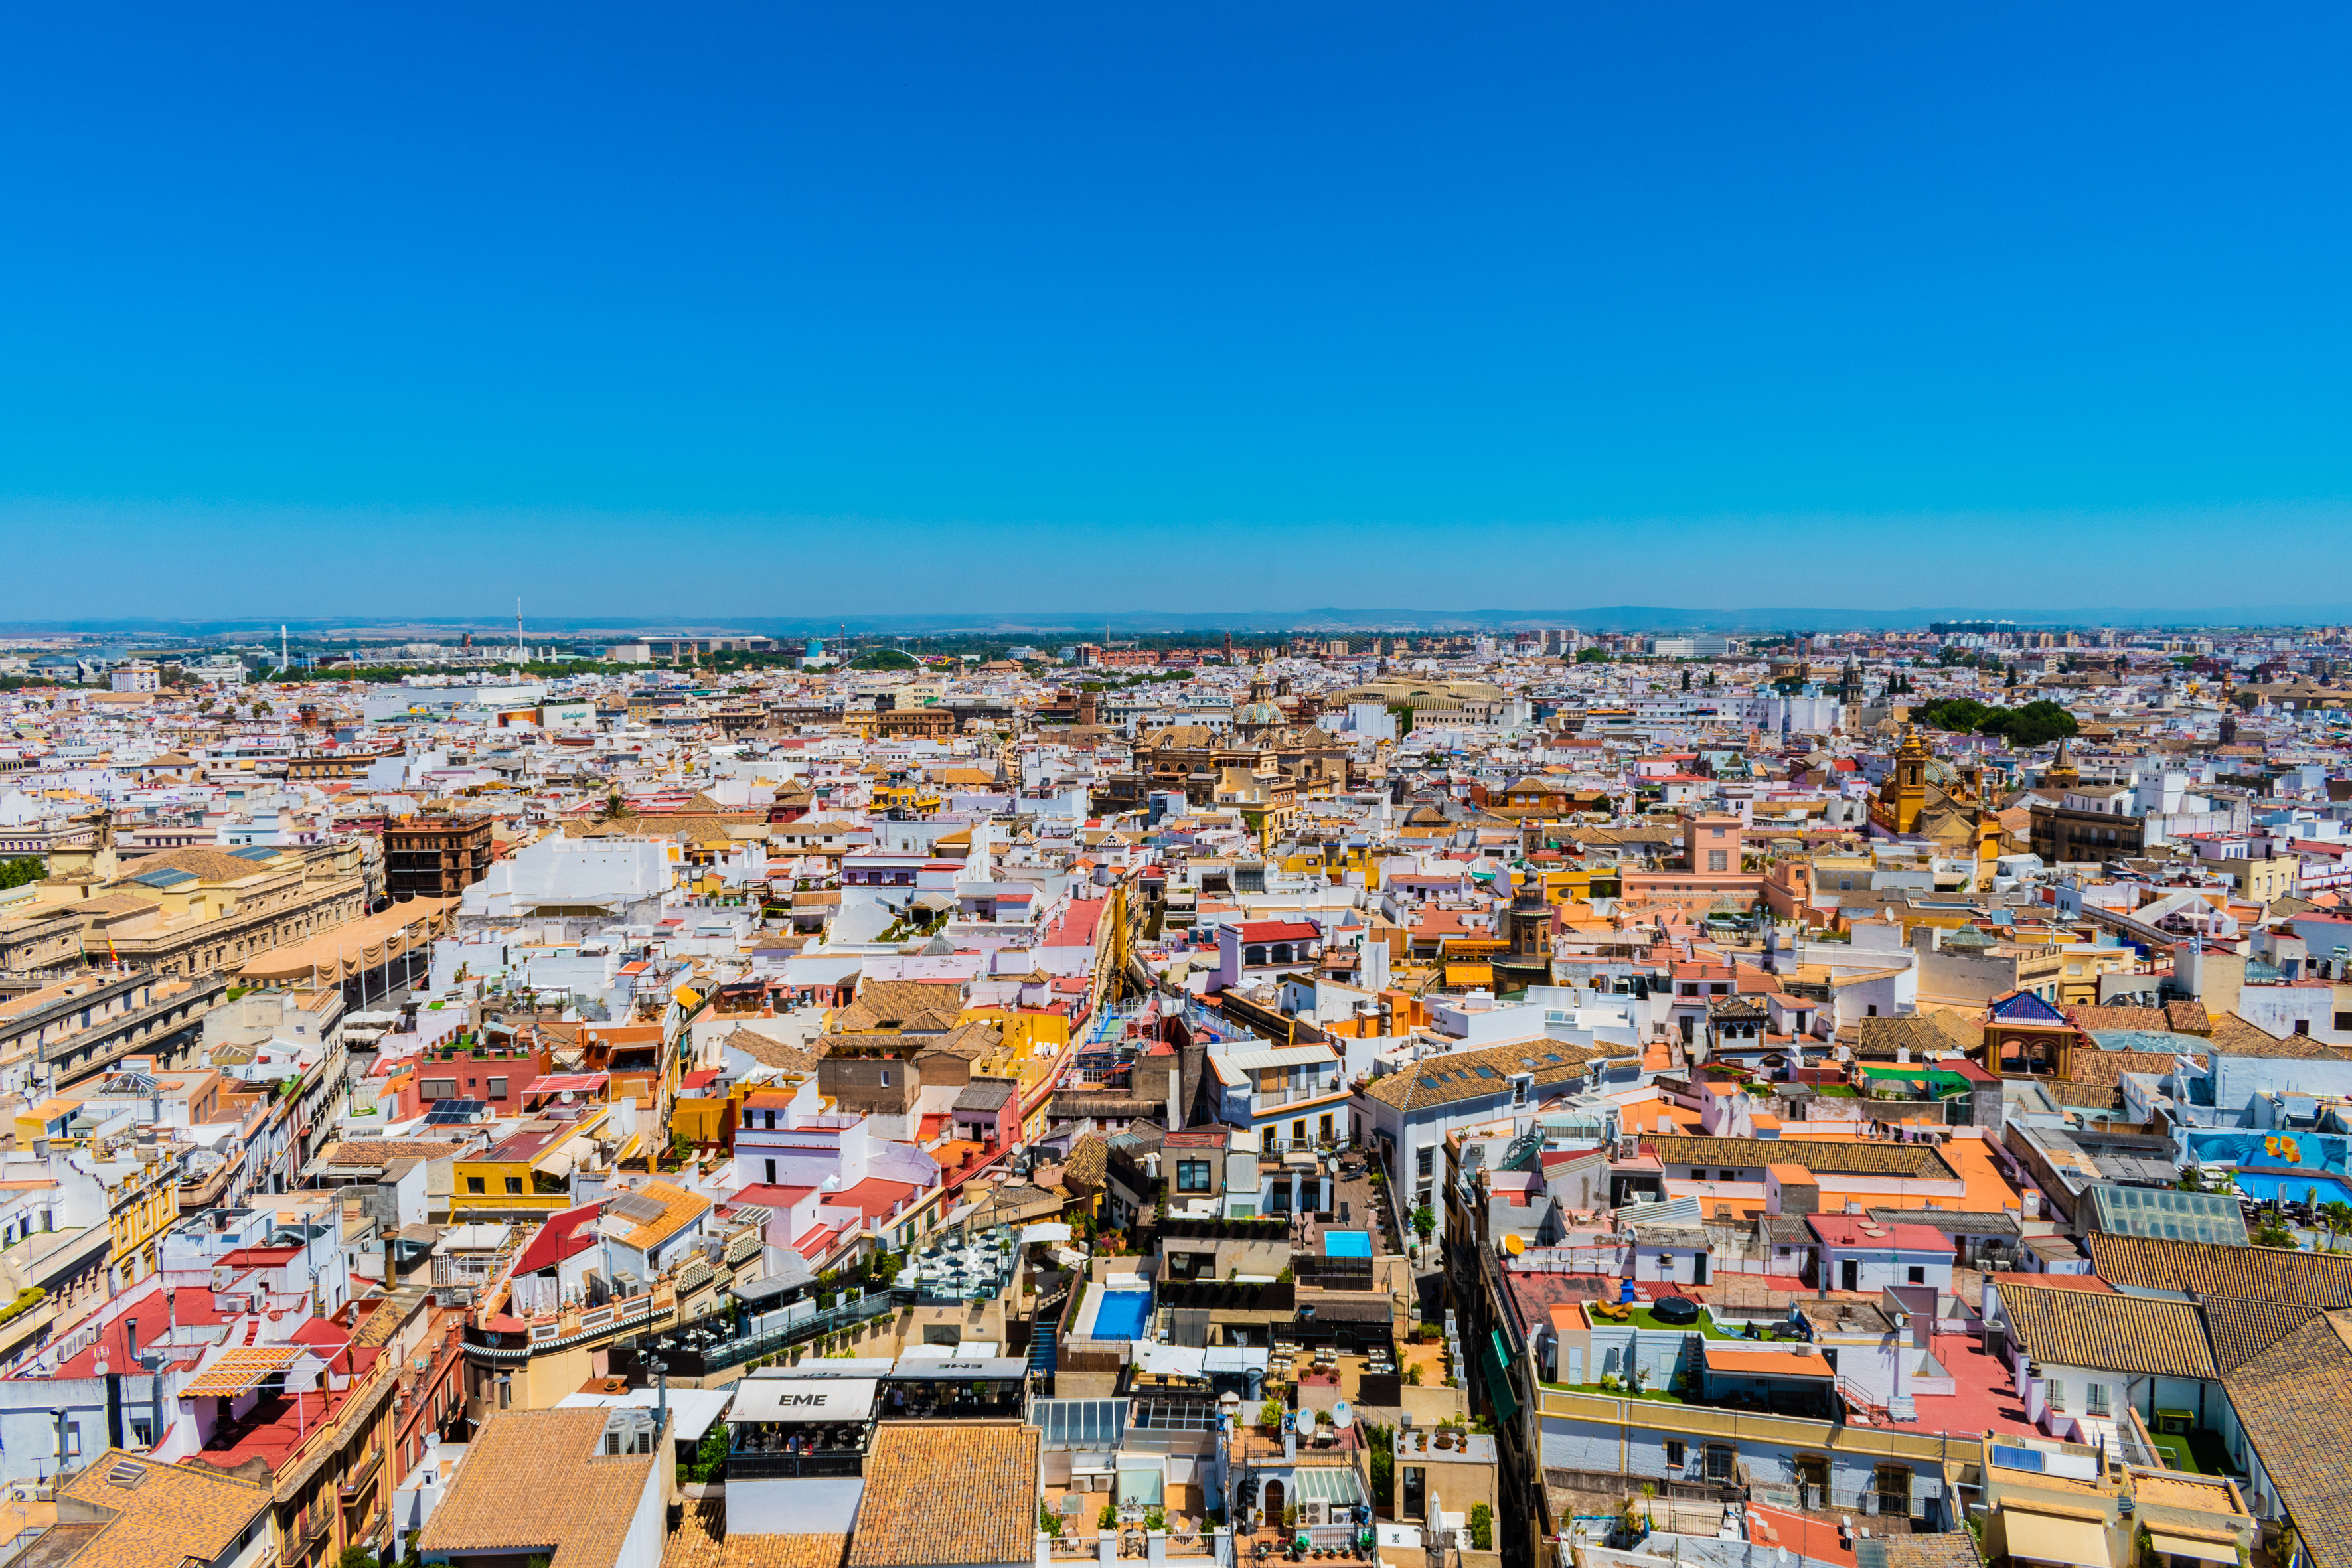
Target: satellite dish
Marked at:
1343, 1416
1514, 1246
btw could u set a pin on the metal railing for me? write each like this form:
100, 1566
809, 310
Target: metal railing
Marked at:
685, 1362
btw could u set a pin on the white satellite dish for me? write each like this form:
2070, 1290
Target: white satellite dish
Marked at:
1343, 1416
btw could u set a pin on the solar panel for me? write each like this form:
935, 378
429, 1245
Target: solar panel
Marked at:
2017, 1458
637, 1206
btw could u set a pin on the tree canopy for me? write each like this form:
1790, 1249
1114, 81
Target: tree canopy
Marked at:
2036, 724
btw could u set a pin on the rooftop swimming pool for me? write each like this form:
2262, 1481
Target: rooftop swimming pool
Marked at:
2291, 1186
1122, 1314
1346, 1244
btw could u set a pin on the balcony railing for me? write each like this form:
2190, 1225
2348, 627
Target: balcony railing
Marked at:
1273, 1098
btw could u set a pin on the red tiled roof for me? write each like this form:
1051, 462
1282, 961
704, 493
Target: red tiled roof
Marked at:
1279, 931
565, 1235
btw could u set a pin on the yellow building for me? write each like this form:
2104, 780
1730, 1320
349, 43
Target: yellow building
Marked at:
922, 799
140, 1207
525, 1172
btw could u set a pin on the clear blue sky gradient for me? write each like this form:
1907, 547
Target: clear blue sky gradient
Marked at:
776, 310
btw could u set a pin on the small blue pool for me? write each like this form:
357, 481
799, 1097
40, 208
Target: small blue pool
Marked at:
1122, 1314
2293, 1186
1346, 1244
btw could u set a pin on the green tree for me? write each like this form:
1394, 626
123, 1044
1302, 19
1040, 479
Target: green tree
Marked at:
709, 1462
1482, 1528
2337, 1215
1381, 1442
1592, 656
2036, 724
355, 1557
1424, 1221
2273, 1231
16, 873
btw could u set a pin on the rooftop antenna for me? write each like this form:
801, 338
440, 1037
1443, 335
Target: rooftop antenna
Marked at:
520, 657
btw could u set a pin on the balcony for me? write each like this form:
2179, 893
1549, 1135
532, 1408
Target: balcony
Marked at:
355, 1488
303, 1533
1294, 1094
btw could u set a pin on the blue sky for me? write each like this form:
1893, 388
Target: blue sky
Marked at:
776, 311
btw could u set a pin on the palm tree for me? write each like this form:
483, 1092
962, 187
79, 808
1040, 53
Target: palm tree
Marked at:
2337, 1217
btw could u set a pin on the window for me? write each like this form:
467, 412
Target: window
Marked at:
474, 1187
2096, 1398
498, 1089
771, 1173
885, 1078
506, 1389
433, 1089
1918, 1275
2054, 1394
514, 1186
1425, 1162
1678, 1454
1715, 859
1719, 1461
1192, 1175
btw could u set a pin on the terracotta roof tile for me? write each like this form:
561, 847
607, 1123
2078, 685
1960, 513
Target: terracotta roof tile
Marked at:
160, 1515
2209, 1268
2109, 1332
534, 1483
947, 1492
2276, 1396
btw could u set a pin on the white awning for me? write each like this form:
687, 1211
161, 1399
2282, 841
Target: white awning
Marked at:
1170, 1360
2190, 1546
1231, 1064
1030, 1233
2048, 1538
802, 1399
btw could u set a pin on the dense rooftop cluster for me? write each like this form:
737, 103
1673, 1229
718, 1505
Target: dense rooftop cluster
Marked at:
1530, 1097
